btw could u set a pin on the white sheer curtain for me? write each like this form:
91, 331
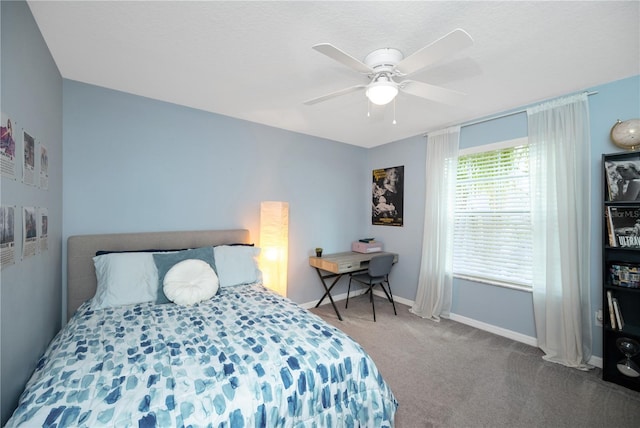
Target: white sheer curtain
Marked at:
559, 144
433, 298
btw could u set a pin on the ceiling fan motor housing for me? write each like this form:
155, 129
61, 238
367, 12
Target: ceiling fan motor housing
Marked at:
384, 59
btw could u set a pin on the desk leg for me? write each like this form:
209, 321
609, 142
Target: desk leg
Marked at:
328, 290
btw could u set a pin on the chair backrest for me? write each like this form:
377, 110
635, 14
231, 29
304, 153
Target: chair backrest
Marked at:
380, 265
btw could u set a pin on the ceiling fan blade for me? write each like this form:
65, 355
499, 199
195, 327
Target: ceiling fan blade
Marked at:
342, 57
446, 45
432, 92
334, 94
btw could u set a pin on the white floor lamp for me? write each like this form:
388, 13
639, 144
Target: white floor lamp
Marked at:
274, 242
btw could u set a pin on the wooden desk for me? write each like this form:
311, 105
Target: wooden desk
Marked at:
339, 264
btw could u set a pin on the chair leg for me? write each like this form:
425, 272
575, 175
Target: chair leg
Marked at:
385, 291
373, 306
348, 291
390, 296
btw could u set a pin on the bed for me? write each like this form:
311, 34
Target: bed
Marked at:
244, 357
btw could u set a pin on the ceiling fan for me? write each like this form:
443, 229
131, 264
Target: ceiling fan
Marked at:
387, 68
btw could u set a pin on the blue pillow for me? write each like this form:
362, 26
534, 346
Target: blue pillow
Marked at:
237, 265
164, 262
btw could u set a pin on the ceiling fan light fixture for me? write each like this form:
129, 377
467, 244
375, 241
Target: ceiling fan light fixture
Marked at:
382, 91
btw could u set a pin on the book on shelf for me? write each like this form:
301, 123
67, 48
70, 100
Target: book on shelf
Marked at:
616, 310
623, 224
611, 238
612, 316
625, 274
623, 179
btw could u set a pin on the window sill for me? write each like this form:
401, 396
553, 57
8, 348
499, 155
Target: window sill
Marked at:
494, 283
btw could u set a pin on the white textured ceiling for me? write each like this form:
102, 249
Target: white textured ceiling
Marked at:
253, 60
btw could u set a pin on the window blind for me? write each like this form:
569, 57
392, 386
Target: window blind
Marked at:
492, 227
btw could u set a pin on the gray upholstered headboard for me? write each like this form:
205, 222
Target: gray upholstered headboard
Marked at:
81, 274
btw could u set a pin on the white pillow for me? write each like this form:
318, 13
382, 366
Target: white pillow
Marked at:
124, 279
189, 282
237, 264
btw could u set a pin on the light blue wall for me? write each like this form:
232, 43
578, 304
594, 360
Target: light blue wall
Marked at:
405, 240
29, 290
501, 307
136, 164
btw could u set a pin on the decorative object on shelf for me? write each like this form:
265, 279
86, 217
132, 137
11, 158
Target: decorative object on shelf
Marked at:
318, 252
626, 134
630, 348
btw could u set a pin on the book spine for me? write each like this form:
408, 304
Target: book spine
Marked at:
612, 235
611, 195
612, 317
616, 309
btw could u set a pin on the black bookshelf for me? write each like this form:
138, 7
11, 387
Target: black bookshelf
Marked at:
621, 268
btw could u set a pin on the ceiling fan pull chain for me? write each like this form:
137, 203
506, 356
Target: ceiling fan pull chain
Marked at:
394, 111
368, 107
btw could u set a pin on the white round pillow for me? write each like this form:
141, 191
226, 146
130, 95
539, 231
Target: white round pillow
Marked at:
189, 282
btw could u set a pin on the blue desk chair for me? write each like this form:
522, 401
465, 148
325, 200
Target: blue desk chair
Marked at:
376, 274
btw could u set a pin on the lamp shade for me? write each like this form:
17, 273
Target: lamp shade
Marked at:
382, 91
274, 244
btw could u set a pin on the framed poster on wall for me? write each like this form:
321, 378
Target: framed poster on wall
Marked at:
7, 235
7, 147
29, 164
387, 200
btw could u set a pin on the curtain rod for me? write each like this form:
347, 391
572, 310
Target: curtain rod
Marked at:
513, 113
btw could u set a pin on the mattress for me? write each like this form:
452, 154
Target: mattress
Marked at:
245, 358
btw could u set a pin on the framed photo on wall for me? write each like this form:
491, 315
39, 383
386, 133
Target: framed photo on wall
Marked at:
29, 164
7, 147
387, 201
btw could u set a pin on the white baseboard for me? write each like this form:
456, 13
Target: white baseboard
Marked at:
596, 361
509, 334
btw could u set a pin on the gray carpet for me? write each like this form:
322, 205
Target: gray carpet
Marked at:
448, 374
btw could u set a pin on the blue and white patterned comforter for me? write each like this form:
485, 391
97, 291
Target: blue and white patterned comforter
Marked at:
246, 358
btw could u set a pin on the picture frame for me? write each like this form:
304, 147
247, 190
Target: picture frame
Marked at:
387, 196
623, 178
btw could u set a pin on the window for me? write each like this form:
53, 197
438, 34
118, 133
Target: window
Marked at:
492, 227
